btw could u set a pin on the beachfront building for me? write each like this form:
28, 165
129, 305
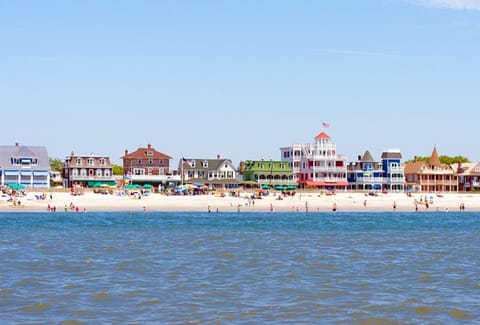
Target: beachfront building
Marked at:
431, 176
268, 174
148, 166
317, 164
468, 176
216, 173
87, 171
24, 166
386, 174
365, 174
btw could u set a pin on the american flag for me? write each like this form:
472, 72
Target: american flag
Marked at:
186, 162
325, 125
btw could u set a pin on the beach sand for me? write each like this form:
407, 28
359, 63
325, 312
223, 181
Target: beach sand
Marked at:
301, 202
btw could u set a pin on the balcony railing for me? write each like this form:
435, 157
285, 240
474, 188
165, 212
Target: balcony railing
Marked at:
92, 178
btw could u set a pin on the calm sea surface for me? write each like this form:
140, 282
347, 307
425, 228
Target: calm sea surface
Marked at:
245, 268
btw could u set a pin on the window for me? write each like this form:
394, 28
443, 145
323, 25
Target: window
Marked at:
99, 172
90, 161
102, 161
261, 166
83, 172
79, 161
25, 162
161, 171
139, 161
138, 171
107, 172
74, 172
192, 162
150, 161
149, 153
150, 169
205, 164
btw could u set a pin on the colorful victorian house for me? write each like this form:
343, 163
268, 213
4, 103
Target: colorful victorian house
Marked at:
368, 174
268, 174
87, 171
431, 176
148, 166
365, 174
317, 164
215, 173
468, 176
27, 166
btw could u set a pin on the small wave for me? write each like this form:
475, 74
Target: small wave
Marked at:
459, 314
102, 296
38, 307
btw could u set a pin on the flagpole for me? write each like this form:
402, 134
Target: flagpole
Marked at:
182, 176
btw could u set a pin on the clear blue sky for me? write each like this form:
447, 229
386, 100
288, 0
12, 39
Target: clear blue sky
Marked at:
240, 78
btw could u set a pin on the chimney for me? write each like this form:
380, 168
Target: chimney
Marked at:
218, 157
126, 152
459, 168
149, 146
17, 144
415, 158
359, 157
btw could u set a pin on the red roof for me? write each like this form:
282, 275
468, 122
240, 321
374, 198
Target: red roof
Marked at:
148, 152
322, 135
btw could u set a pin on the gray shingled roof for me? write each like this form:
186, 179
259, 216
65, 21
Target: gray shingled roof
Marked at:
367, 157
391, 155
40, 152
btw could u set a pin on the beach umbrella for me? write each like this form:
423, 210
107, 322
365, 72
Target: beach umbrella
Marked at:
147, 186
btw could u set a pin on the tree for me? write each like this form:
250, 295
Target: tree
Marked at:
56, 164
117, 170
443, 159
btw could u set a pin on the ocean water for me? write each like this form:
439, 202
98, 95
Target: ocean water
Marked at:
240, 268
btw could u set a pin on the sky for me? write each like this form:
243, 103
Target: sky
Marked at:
240, 79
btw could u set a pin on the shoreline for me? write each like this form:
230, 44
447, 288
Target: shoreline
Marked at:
301, 203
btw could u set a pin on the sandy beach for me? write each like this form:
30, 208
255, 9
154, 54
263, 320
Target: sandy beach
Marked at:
300, 202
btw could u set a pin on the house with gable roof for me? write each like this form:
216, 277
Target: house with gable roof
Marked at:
146, 165
431, 176
468, 176
87, 170
216, 173
365, 174
369, 174
28, 166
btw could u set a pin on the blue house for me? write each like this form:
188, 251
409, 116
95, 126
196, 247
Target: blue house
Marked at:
393, 171
367, 174
24, 165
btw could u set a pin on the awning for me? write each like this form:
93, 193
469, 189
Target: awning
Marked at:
11, 173
331, 184
26, 173
40, 173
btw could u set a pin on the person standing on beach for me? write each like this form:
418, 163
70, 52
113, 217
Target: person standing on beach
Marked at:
334, 208
394, 205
